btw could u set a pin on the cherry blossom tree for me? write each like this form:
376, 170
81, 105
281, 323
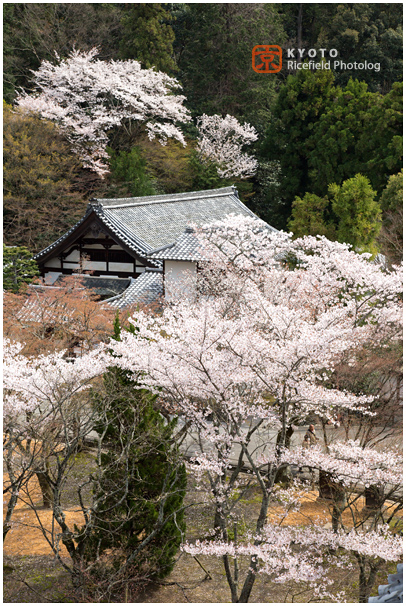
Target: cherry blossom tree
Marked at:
130, 523
221, 140
87, 97
43, 409
254, 354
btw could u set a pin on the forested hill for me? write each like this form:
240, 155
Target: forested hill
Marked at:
321, 151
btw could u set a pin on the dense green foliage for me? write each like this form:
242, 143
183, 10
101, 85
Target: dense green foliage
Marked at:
290, 137
147, 35
213, 46
18, 267
315, 128
42, 182
359, 32
323, 134
140, 486
347, 213
358, 212
391, 202
133, 488
128, 170
310, 217
360, 132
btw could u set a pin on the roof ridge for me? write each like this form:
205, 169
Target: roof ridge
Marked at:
165, 199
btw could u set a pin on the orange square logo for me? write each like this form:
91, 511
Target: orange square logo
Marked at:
267, 58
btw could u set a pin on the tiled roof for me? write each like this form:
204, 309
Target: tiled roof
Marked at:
117, 226
100, 286
153, 227
150, 222
186, 248
393, 592
160, 220
146, 289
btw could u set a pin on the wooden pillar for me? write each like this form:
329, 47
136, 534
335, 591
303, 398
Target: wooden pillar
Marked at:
107, 247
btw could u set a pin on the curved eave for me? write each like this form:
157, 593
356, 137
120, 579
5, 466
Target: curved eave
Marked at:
132, 245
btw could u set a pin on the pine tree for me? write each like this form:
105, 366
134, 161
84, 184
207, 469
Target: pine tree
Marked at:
18, 267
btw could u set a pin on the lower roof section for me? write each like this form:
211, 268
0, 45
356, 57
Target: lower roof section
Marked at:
145, 290
101, 286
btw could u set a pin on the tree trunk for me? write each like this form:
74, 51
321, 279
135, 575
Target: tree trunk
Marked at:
299, 26
366, 582
10, 509
284, 437
46, 489
251, 576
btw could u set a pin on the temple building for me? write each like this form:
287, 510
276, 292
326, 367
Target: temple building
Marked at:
132, 250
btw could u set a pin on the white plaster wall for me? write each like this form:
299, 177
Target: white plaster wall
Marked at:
180, 279
70, 265
114, 266
54, 262
89, 265
73, 257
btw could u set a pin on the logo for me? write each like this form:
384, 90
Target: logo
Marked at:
267, 58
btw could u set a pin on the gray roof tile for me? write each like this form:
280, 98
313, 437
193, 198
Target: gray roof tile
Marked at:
160, 220
393, 592
100, 286
186, 248
156, 224
146, 289
147, 223
65, 235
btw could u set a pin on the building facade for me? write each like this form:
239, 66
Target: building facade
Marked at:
137, 242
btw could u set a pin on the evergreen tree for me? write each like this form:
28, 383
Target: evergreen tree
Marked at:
140, 486
289, 138
323, 134
334, 144
358, 213
392, 195
18, 267
148, 36
349, 213
367, 32
213, 49
128, 171
381, 143
391, 203
310, 217
360, 32
360, 132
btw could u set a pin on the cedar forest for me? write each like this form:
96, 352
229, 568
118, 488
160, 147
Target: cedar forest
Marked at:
284, 328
